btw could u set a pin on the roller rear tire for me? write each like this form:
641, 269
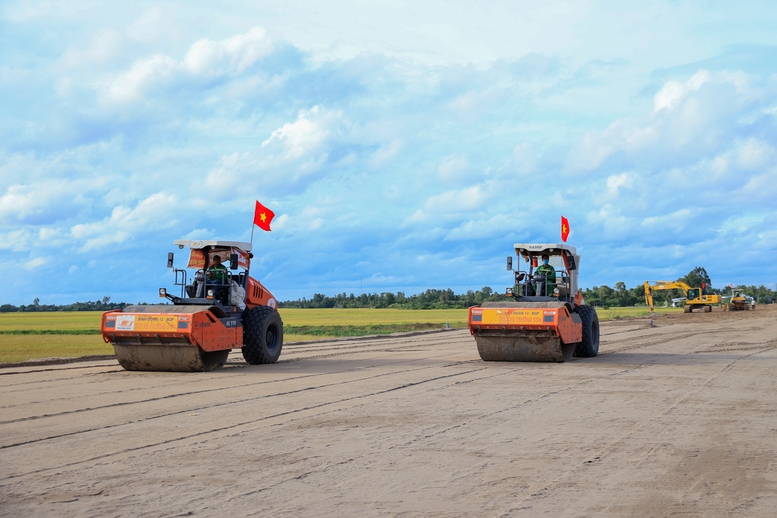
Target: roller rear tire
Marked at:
262, 335
589, 347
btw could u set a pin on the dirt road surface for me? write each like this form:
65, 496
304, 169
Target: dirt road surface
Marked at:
679, 419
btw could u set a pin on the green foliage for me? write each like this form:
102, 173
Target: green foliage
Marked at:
99, 305
621, 296
601, 296
761, 294
697, 278
430, 299
362, 330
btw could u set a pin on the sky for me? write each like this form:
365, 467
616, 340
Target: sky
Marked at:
403, 146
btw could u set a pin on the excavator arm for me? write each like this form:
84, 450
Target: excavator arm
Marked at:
694, 297
663, 285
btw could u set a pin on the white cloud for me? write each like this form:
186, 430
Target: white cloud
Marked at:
102, 47
673, 91
526, 159
477, 229
469, 199
147, 26
616, 183
133, 84
157, 211
454, 168
35, 263
285, 161
418, 216
669, 223
385, 153
231, 56
51, 200
18, 202
307, 133
754, 154
17, 240
455, 203
280, 222
759, 189
691, 120
205, 59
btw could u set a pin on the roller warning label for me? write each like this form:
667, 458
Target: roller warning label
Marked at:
156, 323
512, 316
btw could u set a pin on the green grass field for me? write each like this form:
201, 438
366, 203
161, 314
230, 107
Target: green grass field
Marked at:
25, 336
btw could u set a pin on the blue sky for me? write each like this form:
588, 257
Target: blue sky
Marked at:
401, 146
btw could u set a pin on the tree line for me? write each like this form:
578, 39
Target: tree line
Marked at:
602, 296
621, 296
98, 305
429, 299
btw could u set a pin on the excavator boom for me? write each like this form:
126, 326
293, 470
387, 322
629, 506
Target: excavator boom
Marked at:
694, 297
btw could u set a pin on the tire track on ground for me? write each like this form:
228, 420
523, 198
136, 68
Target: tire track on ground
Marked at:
544, 488
226, 427
440, 432
221, 389
345, 352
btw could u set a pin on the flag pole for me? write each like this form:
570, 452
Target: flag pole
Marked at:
253, 224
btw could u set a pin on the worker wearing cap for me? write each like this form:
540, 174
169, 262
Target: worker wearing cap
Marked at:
549, 273
217, 272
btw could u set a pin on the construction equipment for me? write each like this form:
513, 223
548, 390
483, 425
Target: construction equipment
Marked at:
739, 301
220, 310
695, 298
547, 320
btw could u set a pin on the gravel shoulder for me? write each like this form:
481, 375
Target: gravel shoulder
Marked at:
677, 418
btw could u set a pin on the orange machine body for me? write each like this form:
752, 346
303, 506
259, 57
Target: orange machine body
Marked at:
181, 326
258, 295
556, 319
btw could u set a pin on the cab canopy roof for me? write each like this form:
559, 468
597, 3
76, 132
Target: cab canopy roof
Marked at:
530, 249
197, 244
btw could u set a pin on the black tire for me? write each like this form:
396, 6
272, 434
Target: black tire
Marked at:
262, 335
589, 347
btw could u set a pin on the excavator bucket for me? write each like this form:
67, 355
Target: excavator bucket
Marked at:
171, 338
525, 331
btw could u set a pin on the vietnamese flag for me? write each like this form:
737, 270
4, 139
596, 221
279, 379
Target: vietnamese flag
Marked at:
564, 229
263, 216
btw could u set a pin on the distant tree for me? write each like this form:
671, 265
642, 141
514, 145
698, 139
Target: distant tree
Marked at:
697, 278
36, 302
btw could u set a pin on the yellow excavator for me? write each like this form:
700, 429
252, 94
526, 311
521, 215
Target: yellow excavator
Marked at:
695, 298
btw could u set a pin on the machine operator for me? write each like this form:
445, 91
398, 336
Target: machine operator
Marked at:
547, 271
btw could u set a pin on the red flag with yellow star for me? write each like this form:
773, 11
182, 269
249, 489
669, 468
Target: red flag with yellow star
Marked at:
564, 229
263, 216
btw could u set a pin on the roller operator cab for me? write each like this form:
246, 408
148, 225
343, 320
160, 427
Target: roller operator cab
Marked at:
547, 319
217, 307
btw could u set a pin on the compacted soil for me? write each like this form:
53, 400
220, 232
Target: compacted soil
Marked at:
673, 418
